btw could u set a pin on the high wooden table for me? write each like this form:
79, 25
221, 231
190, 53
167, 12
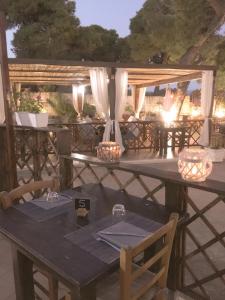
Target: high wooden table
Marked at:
176, 134
44, 243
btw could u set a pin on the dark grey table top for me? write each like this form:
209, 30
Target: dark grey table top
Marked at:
47, 243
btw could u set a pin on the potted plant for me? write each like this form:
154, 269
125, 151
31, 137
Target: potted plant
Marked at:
216, 148
29, 110
127, 112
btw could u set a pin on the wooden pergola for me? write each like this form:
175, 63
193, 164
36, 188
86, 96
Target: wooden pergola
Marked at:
68, 73
56, 72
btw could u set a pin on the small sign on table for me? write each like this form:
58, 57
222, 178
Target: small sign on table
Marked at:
82, 206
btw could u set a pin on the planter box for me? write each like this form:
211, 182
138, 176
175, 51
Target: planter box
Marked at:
31, 119
217, 155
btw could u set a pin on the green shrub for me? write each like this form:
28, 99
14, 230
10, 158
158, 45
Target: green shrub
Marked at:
62, 107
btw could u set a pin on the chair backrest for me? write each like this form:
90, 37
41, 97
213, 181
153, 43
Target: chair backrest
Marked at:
129, 274
7, 198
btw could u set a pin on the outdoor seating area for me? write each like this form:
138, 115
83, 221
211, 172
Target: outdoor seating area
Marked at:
112, 183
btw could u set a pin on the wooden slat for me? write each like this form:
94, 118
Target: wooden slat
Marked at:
142, 75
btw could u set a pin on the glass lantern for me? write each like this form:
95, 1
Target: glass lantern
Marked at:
194, 164
109, 151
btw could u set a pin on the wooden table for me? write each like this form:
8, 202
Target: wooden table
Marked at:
177, 132
44, 243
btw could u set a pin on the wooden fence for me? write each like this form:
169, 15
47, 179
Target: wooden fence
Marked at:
41, 153
197, 266
136, 135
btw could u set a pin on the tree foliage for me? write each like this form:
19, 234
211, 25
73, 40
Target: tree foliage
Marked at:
170, 26
97, 43
50, 29
45, 29
185, 31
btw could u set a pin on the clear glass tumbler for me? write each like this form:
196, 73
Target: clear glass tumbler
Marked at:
118, 210
52, 197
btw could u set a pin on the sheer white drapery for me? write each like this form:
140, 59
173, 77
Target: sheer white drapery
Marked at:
99, 87
78, 94
206, 104
75, 97
121, 80
2, 107
141, 101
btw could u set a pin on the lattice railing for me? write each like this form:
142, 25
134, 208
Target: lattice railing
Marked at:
193, 130
37, 152
200, 252
136, 135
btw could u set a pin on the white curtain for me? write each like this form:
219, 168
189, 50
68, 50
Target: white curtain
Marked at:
121, 99
141, 101
99, 86
78, 93
206, 104
2, 108
75, 98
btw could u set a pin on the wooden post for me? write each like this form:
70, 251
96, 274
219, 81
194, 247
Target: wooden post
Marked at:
211, 108
11, 159
136, 97
64, 139
4, 182
175, 202
112, 92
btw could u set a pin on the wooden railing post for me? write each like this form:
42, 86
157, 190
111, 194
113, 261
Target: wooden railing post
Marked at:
175, 202
36, 154
63, 144
4, 182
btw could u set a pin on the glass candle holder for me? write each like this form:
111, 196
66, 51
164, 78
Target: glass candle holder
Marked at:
194, 164
109, 151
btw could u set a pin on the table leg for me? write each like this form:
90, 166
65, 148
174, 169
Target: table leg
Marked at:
23, 275
87, 293
161, 142
165, 142
173, 141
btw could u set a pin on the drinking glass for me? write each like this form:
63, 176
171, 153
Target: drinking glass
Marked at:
52, 197
118, 210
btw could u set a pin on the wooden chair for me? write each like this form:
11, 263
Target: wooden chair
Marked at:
136, 281
6, 201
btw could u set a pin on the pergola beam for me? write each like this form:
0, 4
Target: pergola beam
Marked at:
94, 64
183, 78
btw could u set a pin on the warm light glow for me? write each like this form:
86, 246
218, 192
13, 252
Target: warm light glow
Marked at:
194, 165
220, 113
169, 116
109, 151
196, 111
185, 110
81, 89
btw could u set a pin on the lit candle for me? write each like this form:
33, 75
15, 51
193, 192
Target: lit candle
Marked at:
194, 165
109, 151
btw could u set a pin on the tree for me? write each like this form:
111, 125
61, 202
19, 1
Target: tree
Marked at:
179, 28
45, 28
99, 44
50, 29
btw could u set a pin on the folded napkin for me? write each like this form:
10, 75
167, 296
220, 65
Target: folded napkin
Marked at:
44, 204
122, 235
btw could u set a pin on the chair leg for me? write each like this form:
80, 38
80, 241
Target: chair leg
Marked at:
53, 288
163, 294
